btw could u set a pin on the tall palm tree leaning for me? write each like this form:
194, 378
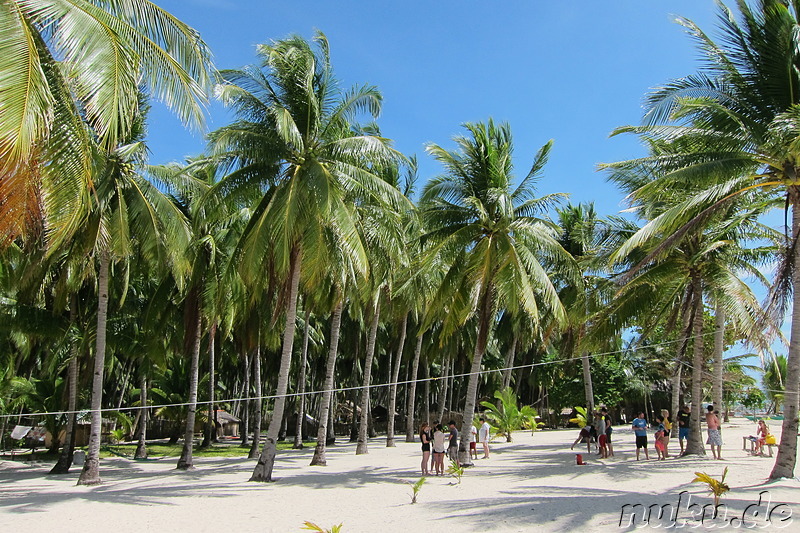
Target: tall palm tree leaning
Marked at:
295, 137
497, 251
744, 110
96, 53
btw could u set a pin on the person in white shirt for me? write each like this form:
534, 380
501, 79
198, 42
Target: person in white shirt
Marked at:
473, 437
484, 437
439, 447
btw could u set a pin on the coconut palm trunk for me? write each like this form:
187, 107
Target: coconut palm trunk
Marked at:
787, 448
484, 318
301, 388
412, 391
195, 324
327, 388
65, 459
393, 386
211, 430
694, 445
258, 402
427, 367
509, 362
361, 447
248, 358
90, 475
587, 383
676, 392
266, 462
719, 345
141, 445
444, 389
686, 334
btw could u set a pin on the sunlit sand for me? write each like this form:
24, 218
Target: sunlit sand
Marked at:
530, 484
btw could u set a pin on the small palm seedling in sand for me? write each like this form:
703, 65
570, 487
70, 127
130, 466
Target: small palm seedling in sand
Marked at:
455, 470
311, 526
415, 488
117, 435
717, 488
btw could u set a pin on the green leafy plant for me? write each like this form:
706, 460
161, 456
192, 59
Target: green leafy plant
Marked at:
753, 399
311, 526
581, 418
717, 488
415, 488
507, 416
117, 435
126, 426
455, 470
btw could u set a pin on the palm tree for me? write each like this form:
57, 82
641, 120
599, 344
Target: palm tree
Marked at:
583, 236
126, 205
673, 273
738, 121
295, 138
319, 458
63, 62
381, 231
507, 417
774, 381
204, 292
497, 251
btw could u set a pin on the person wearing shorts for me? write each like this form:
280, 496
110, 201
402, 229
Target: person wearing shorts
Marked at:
484, 437
639, 427
609, 430
602, 443
585, 436
473, 444
453, 449
425, 438
439, 443
714, 434
684, 425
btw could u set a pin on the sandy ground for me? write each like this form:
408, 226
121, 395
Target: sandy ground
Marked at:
531, 484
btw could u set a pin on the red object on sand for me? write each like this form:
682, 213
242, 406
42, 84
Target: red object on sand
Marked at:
579, 459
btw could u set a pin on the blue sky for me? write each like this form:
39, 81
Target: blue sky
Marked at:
568, 71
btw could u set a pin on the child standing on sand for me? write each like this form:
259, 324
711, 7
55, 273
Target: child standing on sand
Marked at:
602, 438
609, 430
639, 426
661, 448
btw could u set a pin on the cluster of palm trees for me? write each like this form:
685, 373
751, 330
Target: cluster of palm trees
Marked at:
300, 213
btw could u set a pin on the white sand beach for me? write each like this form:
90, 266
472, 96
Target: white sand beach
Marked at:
531, 484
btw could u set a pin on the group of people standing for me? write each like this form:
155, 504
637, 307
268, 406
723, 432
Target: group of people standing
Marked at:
663, 432
436, 443
599, 432
664, 426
